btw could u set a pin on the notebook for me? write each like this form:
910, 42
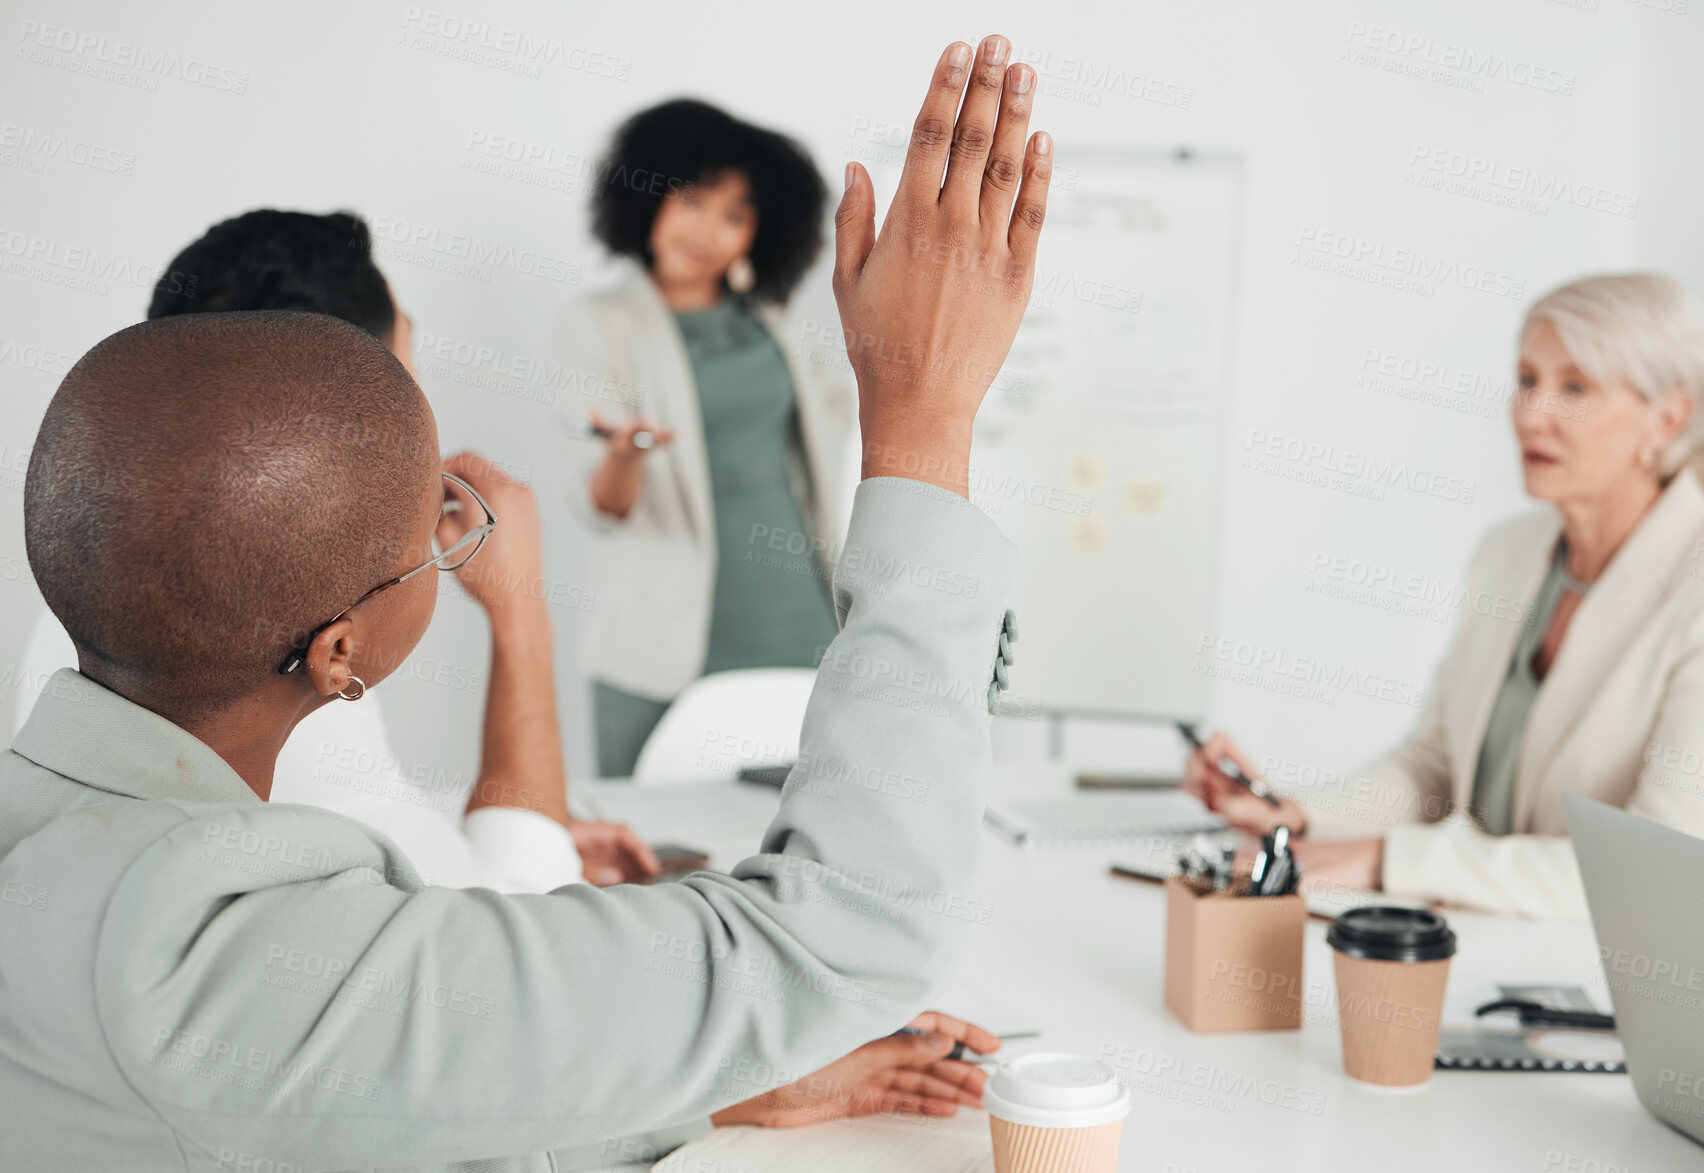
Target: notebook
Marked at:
1504, 1045
1089, 818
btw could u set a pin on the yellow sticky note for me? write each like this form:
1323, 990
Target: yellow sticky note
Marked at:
1144, 495
1086, 535
1085, 472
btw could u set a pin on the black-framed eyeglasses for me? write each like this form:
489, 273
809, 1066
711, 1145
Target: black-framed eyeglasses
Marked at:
457, 555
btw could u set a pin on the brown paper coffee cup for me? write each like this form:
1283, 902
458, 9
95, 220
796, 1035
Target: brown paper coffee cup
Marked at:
1054, 1112
1389, 1012
1021, 1148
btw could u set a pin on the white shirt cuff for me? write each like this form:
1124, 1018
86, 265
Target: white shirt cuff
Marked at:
533, 852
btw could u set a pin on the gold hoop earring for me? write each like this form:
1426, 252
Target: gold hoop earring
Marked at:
360, 689
742, 276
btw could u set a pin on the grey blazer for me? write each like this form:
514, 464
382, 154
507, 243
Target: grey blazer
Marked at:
192, 979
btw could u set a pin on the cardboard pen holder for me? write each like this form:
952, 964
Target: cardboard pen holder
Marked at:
1233, 962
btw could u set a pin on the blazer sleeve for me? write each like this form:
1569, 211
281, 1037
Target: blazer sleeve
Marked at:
1414, 782
1536, 875
1410, 783
341, 759
594, 342
265, 988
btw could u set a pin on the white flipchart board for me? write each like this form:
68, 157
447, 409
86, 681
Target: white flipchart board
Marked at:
1100, 447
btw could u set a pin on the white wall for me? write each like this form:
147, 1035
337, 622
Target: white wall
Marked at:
365, 107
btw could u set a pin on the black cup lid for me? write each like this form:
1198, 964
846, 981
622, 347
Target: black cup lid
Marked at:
1392, 934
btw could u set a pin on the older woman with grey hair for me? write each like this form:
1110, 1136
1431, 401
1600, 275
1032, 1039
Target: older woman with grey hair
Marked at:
1589, 679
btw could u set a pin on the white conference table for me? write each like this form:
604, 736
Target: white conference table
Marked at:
1076, 953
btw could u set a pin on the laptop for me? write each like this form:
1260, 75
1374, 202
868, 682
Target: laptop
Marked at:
1645, 885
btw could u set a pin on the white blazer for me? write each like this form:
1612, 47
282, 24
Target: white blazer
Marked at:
1619, 718
658, 564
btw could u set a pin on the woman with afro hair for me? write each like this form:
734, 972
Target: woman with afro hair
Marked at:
717, 485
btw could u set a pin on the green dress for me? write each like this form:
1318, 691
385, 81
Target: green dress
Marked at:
771, 606
1500, 753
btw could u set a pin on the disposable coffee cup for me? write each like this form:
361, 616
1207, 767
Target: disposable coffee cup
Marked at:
1392, 965
1052, 1112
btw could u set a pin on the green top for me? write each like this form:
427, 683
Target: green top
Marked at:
771, 604
1500, 752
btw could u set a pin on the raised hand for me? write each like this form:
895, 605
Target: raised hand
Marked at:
931, 305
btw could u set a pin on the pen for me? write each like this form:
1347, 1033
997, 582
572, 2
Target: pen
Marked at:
959, 1050
586, 430
1229, 768
1533, 1014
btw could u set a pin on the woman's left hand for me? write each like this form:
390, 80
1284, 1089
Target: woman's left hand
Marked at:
906, 1074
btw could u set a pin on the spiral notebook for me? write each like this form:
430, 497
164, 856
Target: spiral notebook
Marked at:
1533, 1048
1086, 819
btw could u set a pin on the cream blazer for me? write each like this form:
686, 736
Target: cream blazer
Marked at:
1619, 718
657, 566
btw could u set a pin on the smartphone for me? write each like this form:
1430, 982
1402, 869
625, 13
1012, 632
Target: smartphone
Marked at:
676, 861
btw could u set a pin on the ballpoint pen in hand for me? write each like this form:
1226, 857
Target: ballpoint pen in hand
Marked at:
643, 439
959, 1050
1230, 769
